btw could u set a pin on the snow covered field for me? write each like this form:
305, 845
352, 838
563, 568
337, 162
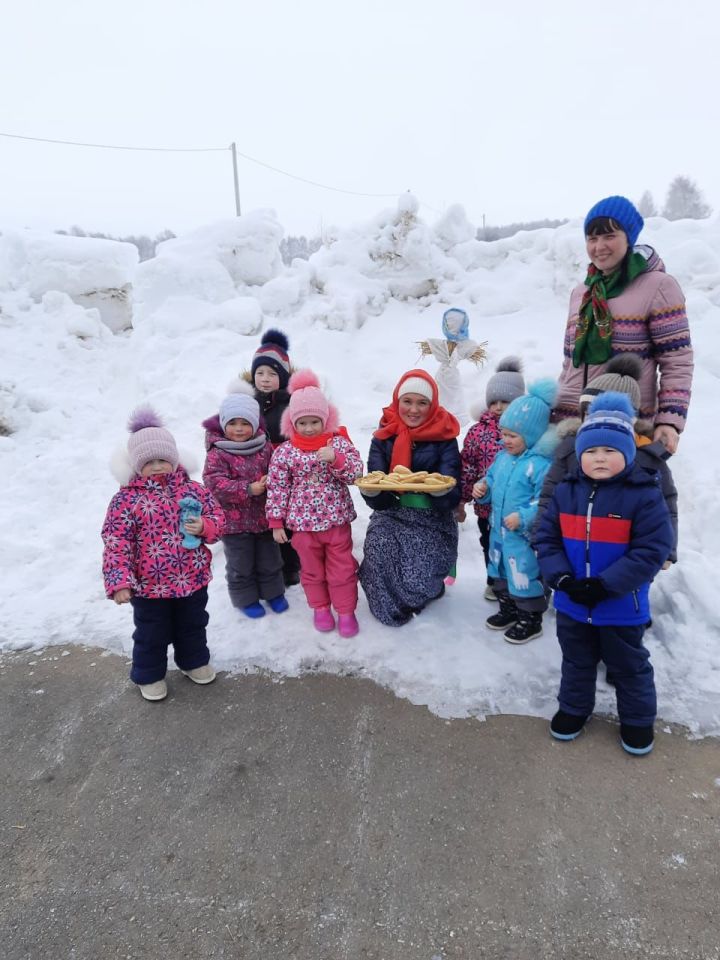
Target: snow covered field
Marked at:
354, 313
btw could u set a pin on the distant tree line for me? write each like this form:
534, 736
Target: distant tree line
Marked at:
684, 201
510, 229
146, 245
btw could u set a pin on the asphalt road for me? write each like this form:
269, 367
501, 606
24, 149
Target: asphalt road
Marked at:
323, 819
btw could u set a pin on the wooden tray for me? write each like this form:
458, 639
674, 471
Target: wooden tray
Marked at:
406, 487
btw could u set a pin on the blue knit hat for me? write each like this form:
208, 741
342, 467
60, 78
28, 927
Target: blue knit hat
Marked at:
622, 211
529, 415
609, 423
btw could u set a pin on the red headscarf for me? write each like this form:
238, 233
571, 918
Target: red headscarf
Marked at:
439, 425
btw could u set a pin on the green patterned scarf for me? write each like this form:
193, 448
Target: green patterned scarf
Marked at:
593, 331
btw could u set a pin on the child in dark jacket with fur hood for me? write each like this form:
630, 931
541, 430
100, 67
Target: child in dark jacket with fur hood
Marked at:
604, 536
269, 375
236, 468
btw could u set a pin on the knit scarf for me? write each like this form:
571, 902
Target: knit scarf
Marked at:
242, 448
593, 331
321, 440
440, 425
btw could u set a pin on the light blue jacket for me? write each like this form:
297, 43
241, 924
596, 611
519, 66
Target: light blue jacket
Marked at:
514, 486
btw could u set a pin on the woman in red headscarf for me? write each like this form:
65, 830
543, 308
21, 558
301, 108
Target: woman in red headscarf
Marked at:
411, 540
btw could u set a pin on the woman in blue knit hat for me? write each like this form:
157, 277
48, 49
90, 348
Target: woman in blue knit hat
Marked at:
628, 304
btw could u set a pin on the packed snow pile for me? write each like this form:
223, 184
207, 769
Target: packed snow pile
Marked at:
354, 313
214, 263
93, 272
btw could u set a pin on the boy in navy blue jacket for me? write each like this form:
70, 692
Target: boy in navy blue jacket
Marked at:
604, 536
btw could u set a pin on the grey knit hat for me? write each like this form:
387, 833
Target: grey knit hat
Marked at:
507, 382
621, 375
242, 406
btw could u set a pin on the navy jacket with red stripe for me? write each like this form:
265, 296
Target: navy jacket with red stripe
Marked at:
618, 530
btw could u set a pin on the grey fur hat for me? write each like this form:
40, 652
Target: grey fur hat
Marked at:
507, 383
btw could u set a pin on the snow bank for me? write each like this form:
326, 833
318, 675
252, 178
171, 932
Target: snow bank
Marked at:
95, 273
66, 388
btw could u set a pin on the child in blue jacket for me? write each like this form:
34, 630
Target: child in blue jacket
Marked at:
604, 536
512, 486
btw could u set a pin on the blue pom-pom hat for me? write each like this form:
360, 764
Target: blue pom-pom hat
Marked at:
610, 423
529, 415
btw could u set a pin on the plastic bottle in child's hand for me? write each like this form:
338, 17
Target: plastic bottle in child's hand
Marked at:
190, 509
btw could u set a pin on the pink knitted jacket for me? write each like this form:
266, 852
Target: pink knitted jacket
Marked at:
142, 538
649, 320
308, 495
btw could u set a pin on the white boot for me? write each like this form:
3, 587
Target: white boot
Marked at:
154, 691
204, 674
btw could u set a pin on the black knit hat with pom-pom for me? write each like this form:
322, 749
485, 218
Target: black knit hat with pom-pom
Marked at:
273, 352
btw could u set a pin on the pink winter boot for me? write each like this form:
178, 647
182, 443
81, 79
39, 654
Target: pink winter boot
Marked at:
347, 624
323, 620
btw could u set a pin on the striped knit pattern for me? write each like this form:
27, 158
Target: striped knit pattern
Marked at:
650, 321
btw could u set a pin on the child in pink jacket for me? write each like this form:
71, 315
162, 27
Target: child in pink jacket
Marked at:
236, 466
308, 492
483, 443
155, 557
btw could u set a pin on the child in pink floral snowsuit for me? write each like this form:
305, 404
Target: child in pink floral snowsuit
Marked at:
145, 562
483, 443
238, 457
308, 493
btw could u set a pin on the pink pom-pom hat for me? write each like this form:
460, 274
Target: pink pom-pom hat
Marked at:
149, 440
308, 400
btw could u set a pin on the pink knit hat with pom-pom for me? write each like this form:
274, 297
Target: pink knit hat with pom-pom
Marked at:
149, 440
306, 398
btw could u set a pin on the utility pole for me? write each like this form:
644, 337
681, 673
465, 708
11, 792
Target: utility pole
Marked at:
233, 150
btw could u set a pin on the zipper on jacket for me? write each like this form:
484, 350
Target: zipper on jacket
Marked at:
588, 522
637, 602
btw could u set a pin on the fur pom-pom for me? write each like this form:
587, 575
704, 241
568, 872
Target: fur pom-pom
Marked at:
301, 379
120, 466
277, 337
544, 389
625, 365
144, 417
477, 409
511, 363
241, 385
612, 401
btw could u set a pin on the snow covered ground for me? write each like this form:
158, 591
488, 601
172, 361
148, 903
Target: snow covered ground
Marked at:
354, 313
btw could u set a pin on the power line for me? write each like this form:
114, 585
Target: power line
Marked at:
314, 183
245, 156
113, 146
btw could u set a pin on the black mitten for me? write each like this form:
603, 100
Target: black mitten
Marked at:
594, 591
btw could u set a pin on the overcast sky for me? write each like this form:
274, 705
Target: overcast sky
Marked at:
517, 110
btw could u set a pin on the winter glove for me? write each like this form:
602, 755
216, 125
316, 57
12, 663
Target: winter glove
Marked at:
588, 591
594, 591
